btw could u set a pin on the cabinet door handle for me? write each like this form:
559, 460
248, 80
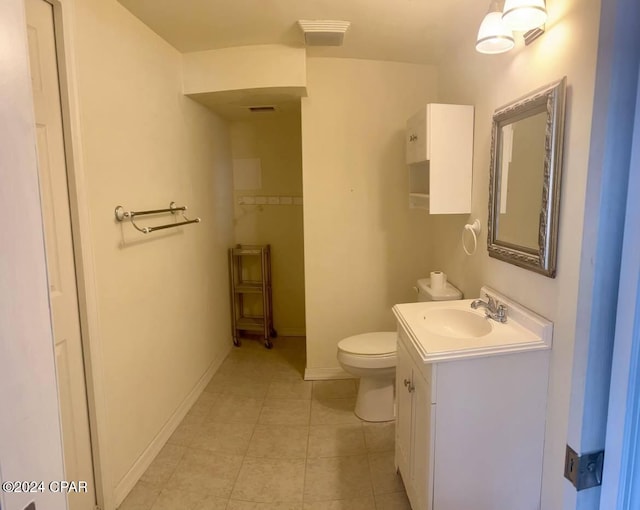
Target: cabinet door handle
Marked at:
407, 384
413, 138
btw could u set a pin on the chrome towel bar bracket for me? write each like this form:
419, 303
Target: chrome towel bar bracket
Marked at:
122, 215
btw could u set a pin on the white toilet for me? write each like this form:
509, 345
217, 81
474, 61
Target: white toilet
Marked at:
372, 358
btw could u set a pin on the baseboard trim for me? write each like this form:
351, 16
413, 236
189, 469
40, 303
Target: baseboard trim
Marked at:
134, 474
324, 374
292, 332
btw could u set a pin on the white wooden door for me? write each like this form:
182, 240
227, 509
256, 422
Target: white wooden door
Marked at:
59, 248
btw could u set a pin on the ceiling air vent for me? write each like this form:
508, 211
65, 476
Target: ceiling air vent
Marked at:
262, 109
320, 32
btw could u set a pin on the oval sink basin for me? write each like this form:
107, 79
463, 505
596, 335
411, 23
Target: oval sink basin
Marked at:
455, 323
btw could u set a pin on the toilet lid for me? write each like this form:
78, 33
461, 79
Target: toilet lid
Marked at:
370, 343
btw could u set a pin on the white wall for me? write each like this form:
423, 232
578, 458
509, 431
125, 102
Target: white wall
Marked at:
275, 139
30, 440
567, 48
364, 248
162, 299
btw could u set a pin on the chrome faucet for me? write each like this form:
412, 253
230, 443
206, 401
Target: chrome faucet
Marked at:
492, 309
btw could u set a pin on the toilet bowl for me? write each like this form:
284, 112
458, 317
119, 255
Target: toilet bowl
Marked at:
372, 358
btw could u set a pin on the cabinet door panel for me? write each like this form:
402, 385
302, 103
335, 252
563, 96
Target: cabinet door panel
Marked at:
403, 413
422, 475
416, 138
450, 158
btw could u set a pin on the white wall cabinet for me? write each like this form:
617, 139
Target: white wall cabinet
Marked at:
470, 432
439, 152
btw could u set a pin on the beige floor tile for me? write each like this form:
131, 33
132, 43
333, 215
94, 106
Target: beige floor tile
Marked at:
270, 481
204, 472
280, 411
341, 388
235, 409
141, 497
250, 364
337, 478
171, 499
290, 388
393, 501
258, 404
295, 343
184, 434
336, 440
279, 442
230, 438
333, 411
249, 505
291, 369
200, 409
366, 503
383, 473
380, 437
164, 464
254, 386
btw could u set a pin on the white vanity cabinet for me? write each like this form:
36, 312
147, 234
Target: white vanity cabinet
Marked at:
470, 431
439, 152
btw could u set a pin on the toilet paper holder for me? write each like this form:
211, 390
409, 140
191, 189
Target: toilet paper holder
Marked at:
475, 229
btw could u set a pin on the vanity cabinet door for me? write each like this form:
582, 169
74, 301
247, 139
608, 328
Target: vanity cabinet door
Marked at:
414, 418
421, 460
403, 413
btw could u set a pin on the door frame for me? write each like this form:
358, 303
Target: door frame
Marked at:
83, 251
603, 246
621, 477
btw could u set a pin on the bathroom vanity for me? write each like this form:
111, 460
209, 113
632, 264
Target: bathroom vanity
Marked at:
471, 399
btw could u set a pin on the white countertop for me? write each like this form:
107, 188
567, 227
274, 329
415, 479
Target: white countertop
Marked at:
523, 331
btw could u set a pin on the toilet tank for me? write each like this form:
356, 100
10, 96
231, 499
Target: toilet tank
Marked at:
426, 293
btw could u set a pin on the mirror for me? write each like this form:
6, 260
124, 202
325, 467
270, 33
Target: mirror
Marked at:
525, 173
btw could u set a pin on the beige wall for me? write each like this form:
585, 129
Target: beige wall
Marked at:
162, 298
246, 67
275, 139
30, 439
364, 247
568, 48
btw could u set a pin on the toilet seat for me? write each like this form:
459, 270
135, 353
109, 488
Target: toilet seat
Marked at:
369, 350
370, 344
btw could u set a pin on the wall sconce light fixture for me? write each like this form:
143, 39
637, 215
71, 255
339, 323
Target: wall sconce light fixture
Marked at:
496, 30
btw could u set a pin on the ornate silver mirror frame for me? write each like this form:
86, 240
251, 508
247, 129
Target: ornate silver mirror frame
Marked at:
547, 101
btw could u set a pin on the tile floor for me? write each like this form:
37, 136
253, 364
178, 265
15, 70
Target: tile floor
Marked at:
262, 438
